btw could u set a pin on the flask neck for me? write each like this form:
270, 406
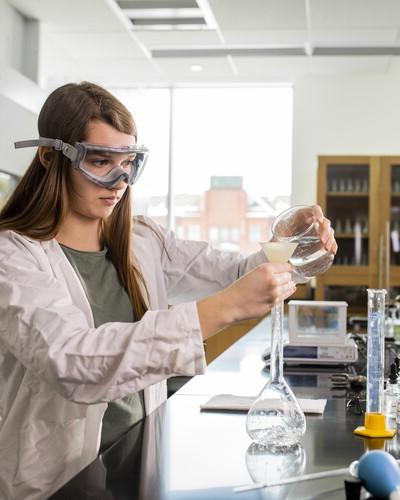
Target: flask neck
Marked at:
276, 357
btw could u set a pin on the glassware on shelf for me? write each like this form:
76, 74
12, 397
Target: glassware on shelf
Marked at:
338, 226
275, 419
349, 185
348, 229
298, 224
374, 422
342, 185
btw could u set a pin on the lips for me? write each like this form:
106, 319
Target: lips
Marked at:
110, 200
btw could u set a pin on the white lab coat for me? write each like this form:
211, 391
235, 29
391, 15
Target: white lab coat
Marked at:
57, 371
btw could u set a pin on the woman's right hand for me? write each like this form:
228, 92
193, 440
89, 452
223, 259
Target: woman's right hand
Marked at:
250, 297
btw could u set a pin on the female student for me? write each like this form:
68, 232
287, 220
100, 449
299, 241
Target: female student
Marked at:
87, 337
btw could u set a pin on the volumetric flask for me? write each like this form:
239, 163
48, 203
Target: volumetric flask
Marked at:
299, 224
275, 419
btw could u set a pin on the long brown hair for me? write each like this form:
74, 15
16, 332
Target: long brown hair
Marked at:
39, 203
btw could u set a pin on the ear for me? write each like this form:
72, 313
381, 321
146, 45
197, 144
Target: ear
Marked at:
45, 154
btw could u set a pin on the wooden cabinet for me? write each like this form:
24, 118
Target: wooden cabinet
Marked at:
361, 197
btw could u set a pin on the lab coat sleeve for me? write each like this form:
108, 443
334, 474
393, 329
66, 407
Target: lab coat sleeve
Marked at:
43, 328
194, 269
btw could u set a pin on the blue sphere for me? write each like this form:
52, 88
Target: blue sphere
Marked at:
379, 473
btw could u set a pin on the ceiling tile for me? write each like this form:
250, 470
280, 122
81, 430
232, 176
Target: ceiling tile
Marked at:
348, 65
363, 36
259, 14
355, 14
263, 68
179, 69
271, 36
178, 38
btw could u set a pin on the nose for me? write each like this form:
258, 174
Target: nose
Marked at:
120, 185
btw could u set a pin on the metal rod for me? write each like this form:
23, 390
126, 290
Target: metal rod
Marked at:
295, 479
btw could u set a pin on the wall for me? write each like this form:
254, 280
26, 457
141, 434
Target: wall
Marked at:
20, 97
343, 115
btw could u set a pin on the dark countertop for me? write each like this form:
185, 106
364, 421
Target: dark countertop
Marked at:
182, 453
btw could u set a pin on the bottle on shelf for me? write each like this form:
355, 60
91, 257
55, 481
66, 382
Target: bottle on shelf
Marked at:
389, 326
349, 185
348, 229
338, 226
342, 185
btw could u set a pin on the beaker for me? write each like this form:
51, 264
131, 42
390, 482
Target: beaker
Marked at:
275, 419
299, 224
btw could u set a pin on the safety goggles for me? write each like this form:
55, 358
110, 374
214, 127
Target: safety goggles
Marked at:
104, 165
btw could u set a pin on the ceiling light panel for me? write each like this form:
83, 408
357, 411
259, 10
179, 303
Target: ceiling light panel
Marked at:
164, 15
357, 51
229, 51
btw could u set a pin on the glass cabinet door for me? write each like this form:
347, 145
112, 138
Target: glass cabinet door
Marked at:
347, 206
348, 194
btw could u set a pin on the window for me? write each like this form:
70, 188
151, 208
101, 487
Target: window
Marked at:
7, 186
230, 158
232, 149
180, 231
194, 232
255, 233
213, 234
150, 110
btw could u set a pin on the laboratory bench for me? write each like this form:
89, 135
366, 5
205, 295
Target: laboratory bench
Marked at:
182, 453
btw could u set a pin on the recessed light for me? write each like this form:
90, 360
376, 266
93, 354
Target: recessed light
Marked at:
196, 67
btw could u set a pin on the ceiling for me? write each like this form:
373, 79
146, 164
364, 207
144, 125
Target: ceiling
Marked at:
167, 42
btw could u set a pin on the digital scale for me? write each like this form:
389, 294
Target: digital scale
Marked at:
317, 334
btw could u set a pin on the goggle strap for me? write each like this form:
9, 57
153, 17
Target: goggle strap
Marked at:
67, 150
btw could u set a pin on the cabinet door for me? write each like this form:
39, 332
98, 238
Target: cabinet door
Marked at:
348, 191
390, 223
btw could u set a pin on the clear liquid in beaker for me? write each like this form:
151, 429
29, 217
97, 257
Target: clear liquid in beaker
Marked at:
310, 257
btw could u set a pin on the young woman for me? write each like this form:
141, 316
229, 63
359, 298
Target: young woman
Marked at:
87, 337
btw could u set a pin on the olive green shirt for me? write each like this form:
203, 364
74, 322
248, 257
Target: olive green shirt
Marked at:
109, 301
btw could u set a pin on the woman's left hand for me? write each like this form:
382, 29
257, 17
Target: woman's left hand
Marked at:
326, 231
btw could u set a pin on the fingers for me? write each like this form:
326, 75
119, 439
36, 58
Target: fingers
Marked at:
289, 292
319, 215
327, 234
279, 285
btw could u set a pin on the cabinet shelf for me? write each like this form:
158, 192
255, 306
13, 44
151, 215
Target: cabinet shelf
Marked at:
350, 236
349, 194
